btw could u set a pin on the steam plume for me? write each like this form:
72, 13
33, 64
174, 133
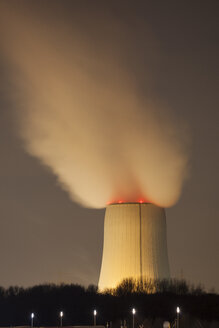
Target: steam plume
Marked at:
80, 112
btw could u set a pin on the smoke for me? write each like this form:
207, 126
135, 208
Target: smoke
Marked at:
83, 105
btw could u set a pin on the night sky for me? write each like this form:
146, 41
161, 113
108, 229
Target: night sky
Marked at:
171, 51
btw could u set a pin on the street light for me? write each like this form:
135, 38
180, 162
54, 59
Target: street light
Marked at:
32, 317
178, 312
133, 317
95, 314
61, 316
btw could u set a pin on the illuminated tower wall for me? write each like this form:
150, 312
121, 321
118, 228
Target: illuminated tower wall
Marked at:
135, 244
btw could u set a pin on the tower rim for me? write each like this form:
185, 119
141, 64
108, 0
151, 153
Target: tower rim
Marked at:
130, 203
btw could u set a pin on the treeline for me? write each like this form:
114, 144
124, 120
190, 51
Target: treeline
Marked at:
153, 306
151, 286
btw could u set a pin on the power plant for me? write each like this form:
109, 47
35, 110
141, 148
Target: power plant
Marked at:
135, 244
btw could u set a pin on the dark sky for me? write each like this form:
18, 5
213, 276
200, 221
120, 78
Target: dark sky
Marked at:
46, 237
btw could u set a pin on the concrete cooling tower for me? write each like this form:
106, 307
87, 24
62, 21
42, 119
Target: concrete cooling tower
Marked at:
135, 244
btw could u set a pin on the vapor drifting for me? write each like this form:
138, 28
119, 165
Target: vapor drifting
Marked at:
77, 88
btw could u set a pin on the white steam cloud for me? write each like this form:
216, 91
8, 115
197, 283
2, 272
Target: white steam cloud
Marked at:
80, 113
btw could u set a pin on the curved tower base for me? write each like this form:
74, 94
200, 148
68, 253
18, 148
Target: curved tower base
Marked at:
135, 244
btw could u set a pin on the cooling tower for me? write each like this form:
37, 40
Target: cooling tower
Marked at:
135, 244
